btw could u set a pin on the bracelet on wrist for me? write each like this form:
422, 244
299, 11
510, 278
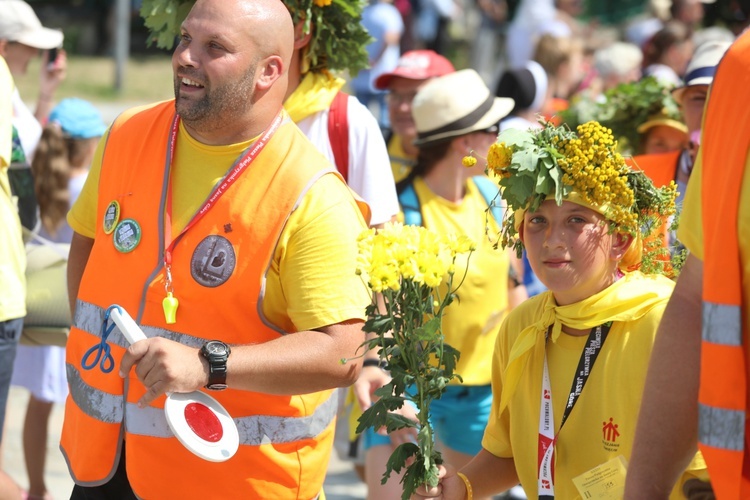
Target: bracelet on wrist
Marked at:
467, 484
382, 364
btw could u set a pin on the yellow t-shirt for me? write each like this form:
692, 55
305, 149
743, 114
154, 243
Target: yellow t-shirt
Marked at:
401, 163
602, 423
471, 323
303, 290
12, 253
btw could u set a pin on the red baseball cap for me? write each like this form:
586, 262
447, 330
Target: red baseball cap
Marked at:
416, 65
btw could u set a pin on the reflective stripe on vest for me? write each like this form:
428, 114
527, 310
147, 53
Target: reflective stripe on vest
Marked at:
150, 421
721, 428
721, 324
723, 378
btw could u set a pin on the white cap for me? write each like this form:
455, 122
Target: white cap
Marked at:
19, 23
702, 67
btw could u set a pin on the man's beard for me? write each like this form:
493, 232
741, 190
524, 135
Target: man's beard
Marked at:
218, 104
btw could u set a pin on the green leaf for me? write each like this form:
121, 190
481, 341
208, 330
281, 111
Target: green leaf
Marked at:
544, 184
428, 330
450, 359
398, 458
394, 422
526, 159
515, 137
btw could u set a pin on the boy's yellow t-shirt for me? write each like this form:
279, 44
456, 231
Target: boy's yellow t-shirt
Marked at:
307, 292
602, 423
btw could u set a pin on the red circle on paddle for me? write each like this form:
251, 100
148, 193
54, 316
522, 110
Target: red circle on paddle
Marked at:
203, 422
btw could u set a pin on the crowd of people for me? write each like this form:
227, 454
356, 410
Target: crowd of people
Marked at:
600, 171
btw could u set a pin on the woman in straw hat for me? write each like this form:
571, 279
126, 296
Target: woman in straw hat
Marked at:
569, 364
456, 114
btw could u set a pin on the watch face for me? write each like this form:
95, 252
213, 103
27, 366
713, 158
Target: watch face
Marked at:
215, 348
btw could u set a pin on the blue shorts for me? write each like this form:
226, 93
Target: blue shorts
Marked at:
459, 418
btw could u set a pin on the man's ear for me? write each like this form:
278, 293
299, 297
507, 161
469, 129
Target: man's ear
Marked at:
301, 39
271, 68
3, 46
620, 244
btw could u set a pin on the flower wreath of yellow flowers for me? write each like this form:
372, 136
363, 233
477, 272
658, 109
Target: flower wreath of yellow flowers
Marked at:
531, 166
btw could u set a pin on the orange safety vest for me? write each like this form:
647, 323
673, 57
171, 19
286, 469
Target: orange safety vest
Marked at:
660, 168
723, 385
285, 441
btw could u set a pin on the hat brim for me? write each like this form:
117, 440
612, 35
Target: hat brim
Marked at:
42, 38
384, 81
677, 93
499, 110
665, 122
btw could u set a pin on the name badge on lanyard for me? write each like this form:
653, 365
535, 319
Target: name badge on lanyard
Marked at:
547, 436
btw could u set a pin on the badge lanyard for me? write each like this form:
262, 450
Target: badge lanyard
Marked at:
547, 436
170, 302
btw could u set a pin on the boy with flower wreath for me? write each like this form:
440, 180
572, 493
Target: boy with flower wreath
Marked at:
570, 364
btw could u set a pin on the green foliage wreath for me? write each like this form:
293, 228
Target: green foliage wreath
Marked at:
338, 38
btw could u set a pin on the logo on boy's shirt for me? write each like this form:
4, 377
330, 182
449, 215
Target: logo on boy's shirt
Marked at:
610, 435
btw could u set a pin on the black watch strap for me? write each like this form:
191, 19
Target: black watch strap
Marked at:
216, 354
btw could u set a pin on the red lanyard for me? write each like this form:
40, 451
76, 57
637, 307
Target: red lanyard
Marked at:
240, 165
547, 436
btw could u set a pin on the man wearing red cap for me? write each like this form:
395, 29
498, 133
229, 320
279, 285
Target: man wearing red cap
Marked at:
414, 69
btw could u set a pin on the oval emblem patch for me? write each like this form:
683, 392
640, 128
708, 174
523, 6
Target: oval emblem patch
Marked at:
213, 261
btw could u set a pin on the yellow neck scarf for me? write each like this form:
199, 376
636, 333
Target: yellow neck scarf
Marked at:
627, 299
314, 93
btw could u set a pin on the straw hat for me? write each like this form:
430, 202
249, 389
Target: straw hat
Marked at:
702, 66
456, 104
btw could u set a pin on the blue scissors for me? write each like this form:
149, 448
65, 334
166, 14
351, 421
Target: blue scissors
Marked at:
101, 351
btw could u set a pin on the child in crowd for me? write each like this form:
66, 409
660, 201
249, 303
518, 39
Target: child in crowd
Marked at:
570, 364
60, 167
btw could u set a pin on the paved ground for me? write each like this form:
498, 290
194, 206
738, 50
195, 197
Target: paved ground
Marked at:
341, 481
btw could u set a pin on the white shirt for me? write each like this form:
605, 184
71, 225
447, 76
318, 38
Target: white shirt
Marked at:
370, 174
28, 128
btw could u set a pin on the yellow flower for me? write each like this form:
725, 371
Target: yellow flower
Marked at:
499, 158
322, 3
469, 161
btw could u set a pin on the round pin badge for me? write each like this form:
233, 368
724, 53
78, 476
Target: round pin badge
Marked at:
202, 425
111, 217
127, 235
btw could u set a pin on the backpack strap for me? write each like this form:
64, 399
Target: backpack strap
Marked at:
489, 192
412, 209
409, 201
338, 132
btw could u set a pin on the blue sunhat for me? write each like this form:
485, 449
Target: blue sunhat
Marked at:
78, 119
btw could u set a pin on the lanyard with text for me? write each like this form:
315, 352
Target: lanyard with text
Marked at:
547, 436
170, 302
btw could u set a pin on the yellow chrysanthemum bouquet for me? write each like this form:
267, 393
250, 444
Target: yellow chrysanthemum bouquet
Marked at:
413, 270
557, 163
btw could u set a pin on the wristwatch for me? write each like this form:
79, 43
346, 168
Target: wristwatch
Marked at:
216, 353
